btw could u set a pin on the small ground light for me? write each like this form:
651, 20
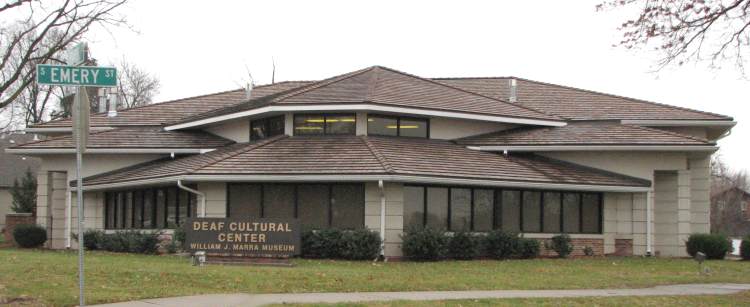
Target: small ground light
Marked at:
700, 258
199, 258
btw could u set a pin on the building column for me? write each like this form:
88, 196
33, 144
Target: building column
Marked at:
394, 214
216, 198
684, 216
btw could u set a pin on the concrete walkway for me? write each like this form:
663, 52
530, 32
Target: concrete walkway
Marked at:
265, 299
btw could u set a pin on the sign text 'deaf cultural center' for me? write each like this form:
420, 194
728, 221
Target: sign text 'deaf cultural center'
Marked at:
249, 237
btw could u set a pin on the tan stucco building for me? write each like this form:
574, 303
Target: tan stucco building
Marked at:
386, 150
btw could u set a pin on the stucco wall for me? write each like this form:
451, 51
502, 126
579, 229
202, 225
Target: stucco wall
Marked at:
637, 164
216, 198
449, 128
237, 130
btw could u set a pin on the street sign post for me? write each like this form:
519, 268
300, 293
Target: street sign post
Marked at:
76, 75
81, 77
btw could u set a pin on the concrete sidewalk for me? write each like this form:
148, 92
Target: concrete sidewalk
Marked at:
265, 299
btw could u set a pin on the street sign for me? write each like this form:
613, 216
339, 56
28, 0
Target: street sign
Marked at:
76, 75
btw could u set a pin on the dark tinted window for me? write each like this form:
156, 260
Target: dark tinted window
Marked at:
413, 127
278, 200
552, 212
321, 124
245, 199
396, 126
413, 206
483, 203
460, 209
347, 206
312, 205
266, 127
510, 214
571, 213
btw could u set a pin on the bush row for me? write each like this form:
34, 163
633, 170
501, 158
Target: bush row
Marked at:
122, 241
361, 244
428, 244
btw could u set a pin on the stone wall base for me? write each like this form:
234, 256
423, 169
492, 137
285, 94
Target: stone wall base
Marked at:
597, 246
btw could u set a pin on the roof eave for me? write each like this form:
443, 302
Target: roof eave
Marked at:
43, 151
364, 107
607, 147
63, 129
371, 178
679, 122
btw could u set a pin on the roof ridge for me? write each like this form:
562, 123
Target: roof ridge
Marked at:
246, 148
671, 133
555, 117
378, 155
624, 97
322, 83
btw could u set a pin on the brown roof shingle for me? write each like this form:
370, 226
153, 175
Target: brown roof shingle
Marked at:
369, 156
136, 137
583, 133
577, 104
385, 86
171, 111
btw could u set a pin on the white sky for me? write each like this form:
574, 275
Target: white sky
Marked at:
199, 47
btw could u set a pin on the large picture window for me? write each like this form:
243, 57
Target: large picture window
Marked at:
156, 208
266, 127
317, 206
397, 126
325, 124
474, 209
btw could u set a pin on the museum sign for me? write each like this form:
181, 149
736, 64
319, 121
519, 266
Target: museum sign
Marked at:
242, 236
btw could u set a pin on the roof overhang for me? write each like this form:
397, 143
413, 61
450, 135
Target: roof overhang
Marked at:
43, 151
537, 148
673, 123
62, 129
363, 107
369, 178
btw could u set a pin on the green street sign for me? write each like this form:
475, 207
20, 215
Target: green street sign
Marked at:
76, 75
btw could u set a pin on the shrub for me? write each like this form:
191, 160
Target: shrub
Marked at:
24, 194
424, 244
360, 244
562, 245
527, 248
325, 243
463, 246
715, 246
501, 245
588, 251
28, 236
178, 237
92, 239
745, 248
131, 242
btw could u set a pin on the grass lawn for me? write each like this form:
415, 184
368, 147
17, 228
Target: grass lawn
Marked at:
740, 299
49, 277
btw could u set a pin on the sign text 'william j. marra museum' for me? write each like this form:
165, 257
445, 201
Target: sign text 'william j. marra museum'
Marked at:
386, 150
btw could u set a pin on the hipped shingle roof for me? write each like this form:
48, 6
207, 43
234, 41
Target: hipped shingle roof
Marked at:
368, 155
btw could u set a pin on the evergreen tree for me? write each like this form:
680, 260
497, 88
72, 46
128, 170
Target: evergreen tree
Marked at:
24, 194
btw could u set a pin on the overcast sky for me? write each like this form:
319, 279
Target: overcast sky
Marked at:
199, 47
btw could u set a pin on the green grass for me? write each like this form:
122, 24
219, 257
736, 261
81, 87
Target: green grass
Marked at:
740, 299
49, 277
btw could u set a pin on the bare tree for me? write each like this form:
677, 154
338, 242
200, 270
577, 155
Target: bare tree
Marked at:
41, 33
688, 31
136, 86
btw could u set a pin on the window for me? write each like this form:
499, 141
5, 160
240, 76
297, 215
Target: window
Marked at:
437, 208
266, 127
347, 211
148, 208
325, 124
414, 206
510, 212
397, 126
473, 209
316, 205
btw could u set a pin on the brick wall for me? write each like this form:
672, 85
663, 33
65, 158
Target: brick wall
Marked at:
14, 219
623, 247
578, 245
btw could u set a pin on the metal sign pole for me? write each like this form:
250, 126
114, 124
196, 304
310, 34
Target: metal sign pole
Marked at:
80, 144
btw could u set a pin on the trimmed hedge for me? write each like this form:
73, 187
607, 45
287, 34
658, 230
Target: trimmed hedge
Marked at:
745, 248
424, 244
463, 246
122, 241
360, 244
562, 245
28, 235
715, 246
92, 239
501, 244
528, 248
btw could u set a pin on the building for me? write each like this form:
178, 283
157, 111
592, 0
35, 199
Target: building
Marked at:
13, 167
387, 150
730, 212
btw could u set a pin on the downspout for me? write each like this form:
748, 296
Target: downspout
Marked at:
381, 186
200, 194
649, 219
